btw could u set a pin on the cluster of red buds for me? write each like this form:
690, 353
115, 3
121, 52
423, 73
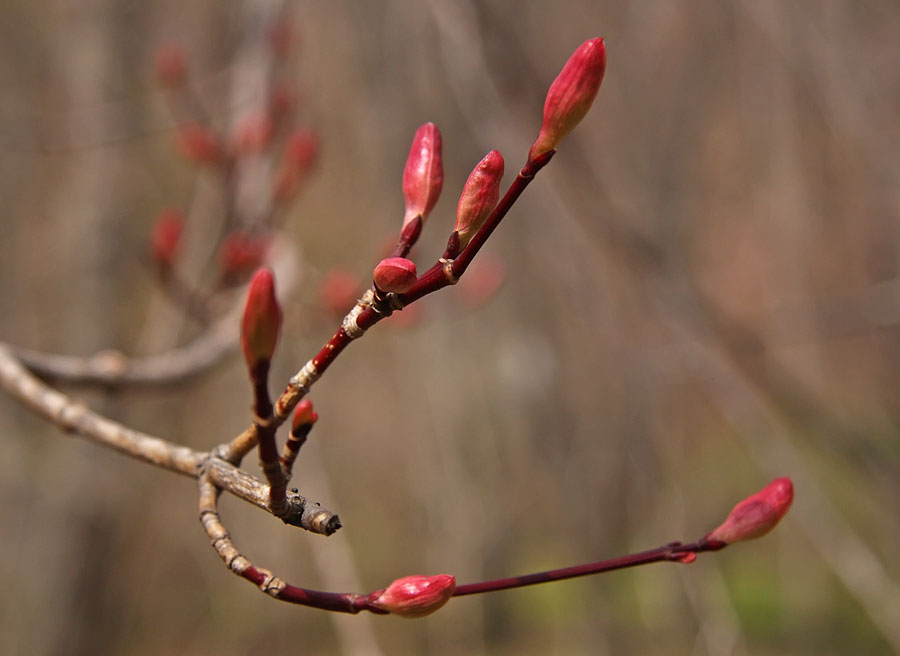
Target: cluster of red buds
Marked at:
266, 131
396, 283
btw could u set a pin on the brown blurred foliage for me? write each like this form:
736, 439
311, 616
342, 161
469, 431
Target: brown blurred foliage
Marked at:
702, 293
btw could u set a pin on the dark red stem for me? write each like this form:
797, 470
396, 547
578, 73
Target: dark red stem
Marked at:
341, 602
675, 551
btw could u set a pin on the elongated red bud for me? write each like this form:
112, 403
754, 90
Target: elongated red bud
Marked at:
395, 274
171, 65
479, 196
571, 95
261, 322
757, 514
415, 596
166, 236
198, 144
304, 417
423, 176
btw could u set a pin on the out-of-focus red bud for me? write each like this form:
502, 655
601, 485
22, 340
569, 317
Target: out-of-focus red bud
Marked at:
571, 95
300, 155
261, 322
166, 236
282, 101
282, 38
483, 278
304, 416
242, 252
415, 596
171, 65
338, 292
395, 274
423, 175
198, 144
479, 196
253, 133
757, 514
301, 150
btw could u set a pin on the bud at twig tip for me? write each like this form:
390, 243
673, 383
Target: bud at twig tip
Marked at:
166, 236
756, 515
304, 416
261, 322
479, 196
415, 596
571, 95
423, 176
395, 274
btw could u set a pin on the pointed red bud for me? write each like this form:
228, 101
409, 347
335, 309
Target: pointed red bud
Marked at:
261, 321
423, 176
479, 196
571, 95
395, 274
171, 65
304, 416
757, 514
415, 596
166, 236
198, 144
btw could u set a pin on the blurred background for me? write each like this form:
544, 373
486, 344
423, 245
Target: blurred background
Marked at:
699, 294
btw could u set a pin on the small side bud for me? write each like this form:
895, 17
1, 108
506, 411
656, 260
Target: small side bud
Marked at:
395, 274
261, 322
479, 196
756, 515
415, 596
198, 144
304, 417
423, 176
166, 236
571, 95
170, 65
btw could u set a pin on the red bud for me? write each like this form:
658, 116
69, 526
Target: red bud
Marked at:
338, 292
423, 175
757, 514
301, 150
171, 65
242, 252
261, 321
253, 133
300, 155
304, 416
395, 274
198, 144
166, 236
415, 596
479, 196
571, 95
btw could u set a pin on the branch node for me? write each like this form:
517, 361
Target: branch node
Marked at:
447, 266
